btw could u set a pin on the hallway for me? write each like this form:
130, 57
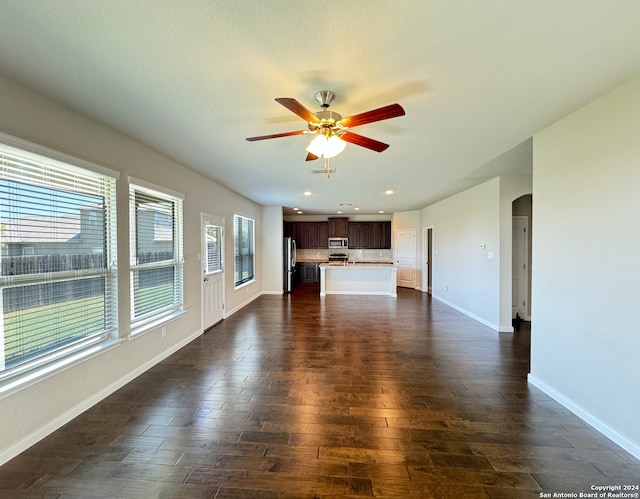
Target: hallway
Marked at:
348, 396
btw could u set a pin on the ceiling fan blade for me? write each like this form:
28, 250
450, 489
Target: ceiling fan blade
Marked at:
295, 107
311, 157
359, 140
382, 113
276, 135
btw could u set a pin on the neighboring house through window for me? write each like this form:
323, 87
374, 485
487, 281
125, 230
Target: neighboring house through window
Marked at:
156, 254
58, 247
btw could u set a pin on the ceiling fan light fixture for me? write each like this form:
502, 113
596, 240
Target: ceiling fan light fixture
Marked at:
317, 145
326, 147
335, 145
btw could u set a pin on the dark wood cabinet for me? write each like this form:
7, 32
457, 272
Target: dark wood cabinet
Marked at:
370, 235
308, 235
362, 235
316, 235
338, 227
381, 235
309, 272
289, 229
321, 235
359, 235
311, 229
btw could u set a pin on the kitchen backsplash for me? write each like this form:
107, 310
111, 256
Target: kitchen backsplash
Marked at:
355, 255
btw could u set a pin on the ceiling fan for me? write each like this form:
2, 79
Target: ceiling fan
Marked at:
331, 129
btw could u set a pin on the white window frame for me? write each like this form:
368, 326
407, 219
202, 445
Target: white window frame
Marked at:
159, 316
41, 161
219, 223
243, 282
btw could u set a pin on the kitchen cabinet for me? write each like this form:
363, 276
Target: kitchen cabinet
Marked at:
362, 235
381, 235
338, 227
385, 235
308, 235
314, 235
359, 235
317, 235
309, 272
370, 235
291, 230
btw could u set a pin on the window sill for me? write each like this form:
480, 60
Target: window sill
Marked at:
244, 285
28, 378
150, 326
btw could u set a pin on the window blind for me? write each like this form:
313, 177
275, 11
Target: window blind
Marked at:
156, 255
243, 250
213, 239
58, 247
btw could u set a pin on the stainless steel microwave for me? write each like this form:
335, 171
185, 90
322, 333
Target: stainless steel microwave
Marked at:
338, 242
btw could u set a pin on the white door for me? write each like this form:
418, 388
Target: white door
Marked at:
519, 270
212, 234
405, 253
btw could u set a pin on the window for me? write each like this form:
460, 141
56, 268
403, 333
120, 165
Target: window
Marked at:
243, 243
214, 248
156, 254
58, 293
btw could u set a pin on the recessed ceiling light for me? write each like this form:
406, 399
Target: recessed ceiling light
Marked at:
356, 209
300, 213
307, 193
339, 211
388, 192
380, 211
296, 209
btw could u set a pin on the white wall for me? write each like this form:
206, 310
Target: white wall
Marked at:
272, 250
33, 412
464, 274
585, 344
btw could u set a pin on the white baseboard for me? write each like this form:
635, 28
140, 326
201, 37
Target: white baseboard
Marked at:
500, 329
242, 305
627, 444
64, 418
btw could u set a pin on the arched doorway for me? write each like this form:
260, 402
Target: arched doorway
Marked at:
521, 213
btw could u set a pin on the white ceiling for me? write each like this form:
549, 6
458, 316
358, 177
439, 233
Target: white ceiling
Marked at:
193, 78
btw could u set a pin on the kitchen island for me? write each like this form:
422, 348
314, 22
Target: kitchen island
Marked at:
358, 279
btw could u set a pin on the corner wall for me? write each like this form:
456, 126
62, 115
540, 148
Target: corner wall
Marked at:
466, 251
586, 239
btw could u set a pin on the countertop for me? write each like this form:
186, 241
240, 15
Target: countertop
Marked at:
356, 264
351, 262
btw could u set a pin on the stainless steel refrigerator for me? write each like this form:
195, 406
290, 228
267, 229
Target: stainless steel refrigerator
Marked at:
289, 264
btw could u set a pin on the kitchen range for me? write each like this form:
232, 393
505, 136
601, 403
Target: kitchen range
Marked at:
338, 258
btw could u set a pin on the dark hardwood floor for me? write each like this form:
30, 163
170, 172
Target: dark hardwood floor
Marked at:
298, 397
